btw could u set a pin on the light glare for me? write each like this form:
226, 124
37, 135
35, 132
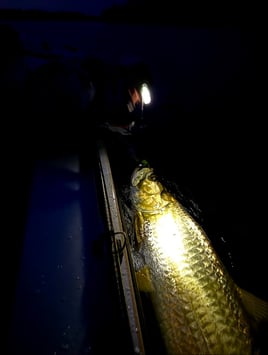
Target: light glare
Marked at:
145, 94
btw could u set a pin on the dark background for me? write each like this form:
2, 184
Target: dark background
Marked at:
205, 129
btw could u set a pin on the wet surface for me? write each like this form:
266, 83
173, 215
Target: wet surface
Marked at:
65, 299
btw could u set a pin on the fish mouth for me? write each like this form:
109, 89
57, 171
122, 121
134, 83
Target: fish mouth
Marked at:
140, 174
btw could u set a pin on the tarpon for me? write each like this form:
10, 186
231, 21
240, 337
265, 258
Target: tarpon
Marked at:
199, 308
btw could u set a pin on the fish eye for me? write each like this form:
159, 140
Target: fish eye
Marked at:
152, 177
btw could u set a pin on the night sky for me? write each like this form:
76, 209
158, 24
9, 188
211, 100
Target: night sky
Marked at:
89, 7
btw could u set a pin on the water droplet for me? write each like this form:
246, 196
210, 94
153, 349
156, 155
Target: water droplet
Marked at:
137, 350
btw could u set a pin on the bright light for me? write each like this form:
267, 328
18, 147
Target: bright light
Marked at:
145, 94
169, 239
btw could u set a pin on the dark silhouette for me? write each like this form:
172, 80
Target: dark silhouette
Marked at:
15, 162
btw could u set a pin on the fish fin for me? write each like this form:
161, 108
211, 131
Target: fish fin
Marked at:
143, 279
257, 310
256, 307
138, 229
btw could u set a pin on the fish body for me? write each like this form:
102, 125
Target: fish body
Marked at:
197, 304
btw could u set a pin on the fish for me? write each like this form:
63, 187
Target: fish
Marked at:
199, 308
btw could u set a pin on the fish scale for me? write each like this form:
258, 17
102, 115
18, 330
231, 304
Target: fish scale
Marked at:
195, 300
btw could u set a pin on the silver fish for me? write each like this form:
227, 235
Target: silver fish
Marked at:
198, 306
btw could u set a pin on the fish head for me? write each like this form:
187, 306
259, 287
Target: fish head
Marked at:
140, 174
147, 190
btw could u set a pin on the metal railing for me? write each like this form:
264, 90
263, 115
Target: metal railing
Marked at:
120, 250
